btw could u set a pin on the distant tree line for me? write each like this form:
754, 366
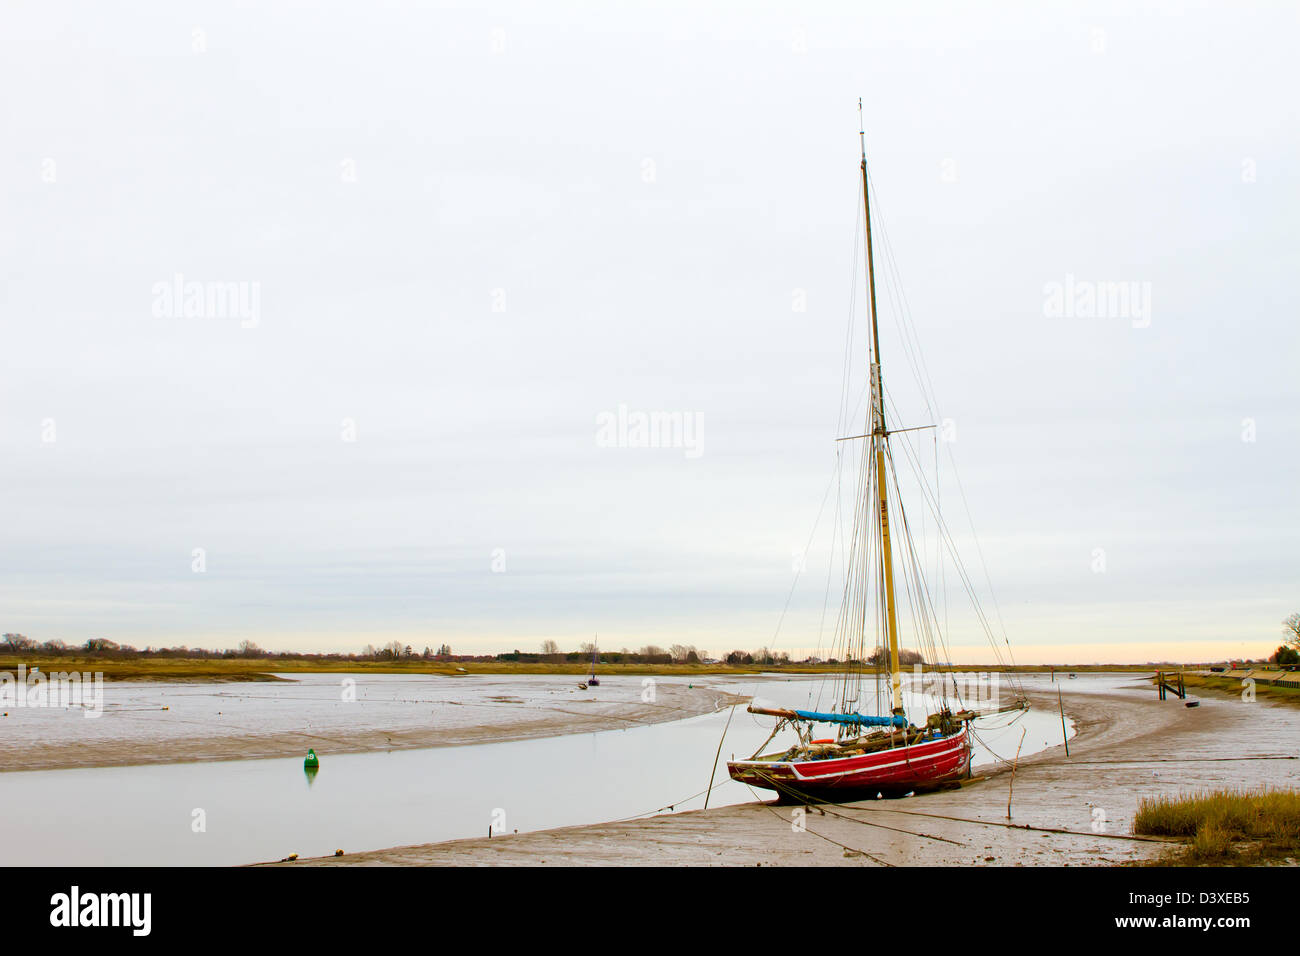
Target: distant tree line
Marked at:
19, 644
650, 654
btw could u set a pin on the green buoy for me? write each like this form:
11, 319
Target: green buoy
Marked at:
312, 762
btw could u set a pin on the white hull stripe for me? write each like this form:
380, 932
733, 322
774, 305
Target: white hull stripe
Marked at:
871, 768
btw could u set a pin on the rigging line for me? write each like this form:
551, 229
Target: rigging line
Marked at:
923, 594
845, 391
913, 569
836, 535
984, 743
830, 564
910, 348
960, 567
893, 265
910, 345
894, 274
997, 608
846, 371
853, 603
799, 570
939, 564
671, 806
924, 602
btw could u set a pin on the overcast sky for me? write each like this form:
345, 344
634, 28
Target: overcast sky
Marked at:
459, 236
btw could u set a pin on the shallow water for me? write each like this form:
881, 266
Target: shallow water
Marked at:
265, 809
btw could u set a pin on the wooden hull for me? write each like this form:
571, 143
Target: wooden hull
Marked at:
922, 766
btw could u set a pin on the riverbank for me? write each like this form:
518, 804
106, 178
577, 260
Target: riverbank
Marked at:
240, 669
1065, 811
1232, 685
180, 722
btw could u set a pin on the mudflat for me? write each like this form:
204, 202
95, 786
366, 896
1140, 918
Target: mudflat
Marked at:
1065, 811
156, 723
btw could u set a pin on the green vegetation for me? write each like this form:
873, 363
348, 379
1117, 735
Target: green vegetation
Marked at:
143, 666
1225, 827
264, 668
250, 662
1230, 683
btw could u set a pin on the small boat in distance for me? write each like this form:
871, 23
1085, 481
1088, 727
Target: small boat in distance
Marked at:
593, 680
881, 754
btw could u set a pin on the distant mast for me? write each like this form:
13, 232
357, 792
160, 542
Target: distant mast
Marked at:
879, 438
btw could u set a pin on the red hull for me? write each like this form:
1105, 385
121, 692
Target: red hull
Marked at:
901, 770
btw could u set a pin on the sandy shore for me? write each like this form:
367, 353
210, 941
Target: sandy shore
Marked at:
1066, 811
177, 724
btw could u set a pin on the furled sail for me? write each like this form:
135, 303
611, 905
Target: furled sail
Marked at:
857, 720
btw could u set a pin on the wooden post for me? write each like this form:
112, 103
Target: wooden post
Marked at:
712, 773
1013, 772
1064, 736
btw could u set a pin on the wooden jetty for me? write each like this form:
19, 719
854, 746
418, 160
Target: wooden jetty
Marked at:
1168, 684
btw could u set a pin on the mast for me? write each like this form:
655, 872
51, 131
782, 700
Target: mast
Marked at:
879, 438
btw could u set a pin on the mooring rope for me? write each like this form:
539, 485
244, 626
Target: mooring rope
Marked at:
990, 823
795, 793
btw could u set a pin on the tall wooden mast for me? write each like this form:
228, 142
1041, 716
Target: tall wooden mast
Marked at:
879, 437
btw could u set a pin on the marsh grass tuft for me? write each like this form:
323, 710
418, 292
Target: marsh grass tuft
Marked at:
1225, 827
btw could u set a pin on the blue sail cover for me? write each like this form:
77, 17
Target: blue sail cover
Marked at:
858, 720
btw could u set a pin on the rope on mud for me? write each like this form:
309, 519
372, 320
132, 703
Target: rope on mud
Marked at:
823, 836
842, 846
795, 793
990, 823
808, 829
671, 806
1022, 826
1113, 763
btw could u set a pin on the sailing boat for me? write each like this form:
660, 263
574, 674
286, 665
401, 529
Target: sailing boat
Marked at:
872, 754
593, 680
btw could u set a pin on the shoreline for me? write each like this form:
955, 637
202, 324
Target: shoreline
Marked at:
1065, 811
222, 670
674, 702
